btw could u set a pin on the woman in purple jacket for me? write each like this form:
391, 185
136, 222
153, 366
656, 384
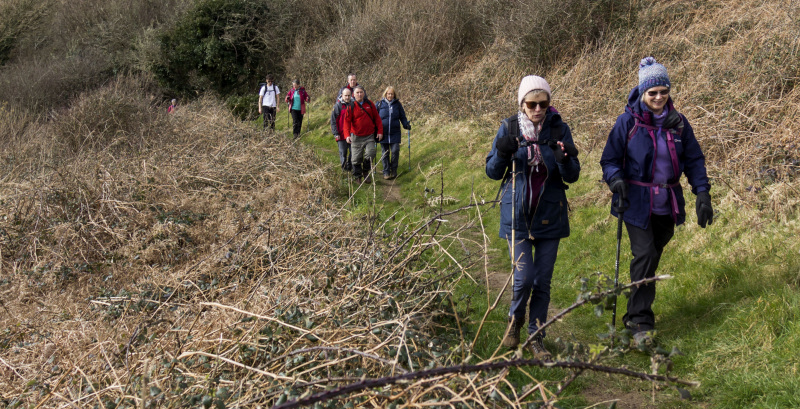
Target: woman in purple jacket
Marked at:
648, 149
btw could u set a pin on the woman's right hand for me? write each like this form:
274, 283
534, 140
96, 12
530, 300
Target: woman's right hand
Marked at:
506, 146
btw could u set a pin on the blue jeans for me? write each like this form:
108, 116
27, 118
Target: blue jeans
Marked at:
537, 260
390, 157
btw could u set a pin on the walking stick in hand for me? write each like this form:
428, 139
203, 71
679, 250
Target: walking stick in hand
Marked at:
409, 146
620, 209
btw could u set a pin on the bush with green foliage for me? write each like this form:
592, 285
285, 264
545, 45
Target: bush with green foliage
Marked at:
219, 45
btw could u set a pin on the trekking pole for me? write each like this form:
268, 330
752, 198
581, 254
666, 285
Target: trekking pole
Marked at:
616, 264
409, 146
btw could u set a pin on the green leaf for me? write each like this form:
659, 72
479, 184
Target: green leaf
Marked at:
598, 310
684, 393
155, 391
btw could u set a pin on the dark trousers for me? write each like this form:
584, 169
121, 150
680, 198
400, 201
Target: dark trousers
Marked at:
647, 245
344, 155
297, 122
532, 277
390, 157
269, 117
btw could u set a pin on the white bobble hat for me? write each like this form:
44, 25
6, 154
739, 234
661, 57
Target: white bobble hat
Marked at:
530, 83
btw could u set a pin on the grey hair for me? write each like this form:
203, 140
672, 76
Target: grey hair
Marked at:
359, 87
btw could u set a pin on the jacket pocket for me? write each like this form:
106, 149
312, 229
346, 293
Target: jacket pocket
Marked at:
551, 213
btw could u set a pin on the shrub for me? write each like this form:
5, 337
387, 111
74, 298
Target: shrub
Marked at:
220, 46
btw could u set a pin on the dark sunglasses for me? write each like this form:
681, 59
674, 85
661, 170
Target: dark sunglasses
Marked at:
532, 104
663, 93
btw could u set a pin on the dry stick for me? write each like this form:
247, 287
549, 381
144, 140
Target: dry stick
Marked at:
263, 317
234, 363
492, 308
583, 301
461, 369
312, 349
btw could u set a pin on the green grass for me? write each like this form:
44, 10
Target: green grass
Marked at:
731, 306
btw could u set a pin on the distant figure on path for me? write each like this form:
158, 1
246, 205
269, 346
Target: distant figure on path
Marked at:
268, 102
297, 98
337, 127
362, 125
392, 115
172, 106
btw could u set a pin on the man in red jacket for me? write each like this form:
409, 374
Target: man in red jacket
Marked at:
362, 124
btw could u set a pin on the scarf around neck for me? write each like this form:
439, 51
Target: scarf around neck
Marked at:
530, 132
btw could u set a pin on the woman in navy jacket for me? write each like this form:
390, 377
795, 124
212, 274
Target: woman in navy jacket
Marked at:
392, 115
648, 149
545, 160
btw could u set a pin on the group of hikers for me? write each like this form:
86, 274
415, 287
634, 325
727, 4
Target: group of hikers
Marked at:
357, 124
648, 149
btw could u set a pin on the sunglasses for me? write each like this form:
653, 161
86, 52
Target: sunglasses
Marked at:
663, 93
532, 104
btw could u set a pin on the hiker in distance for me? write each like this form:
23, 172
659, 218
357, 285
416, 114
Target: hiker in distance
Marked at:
533, 154
268, 102
363, 126
173, 105
392, 115
337, 118
648, 149
297, 99
351, 85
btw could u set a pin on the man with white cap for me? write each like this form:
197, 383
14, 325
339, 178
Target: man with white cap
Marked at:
534, 156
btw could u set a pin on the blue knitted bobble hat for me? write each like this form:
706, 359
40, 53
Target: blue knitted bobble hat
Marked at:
651, 74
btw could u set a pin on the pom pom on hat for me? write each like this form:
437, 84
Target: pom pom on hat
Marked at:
652, 74
530, 83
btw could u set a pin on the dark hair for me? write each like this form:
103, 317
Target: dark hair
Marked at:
296, 81
270, 78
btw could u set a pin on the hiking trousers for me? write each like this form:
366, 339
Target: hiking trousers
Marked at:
344, 155
647, 245
532, 277
269, 117
390, 157
363, 154
297, 122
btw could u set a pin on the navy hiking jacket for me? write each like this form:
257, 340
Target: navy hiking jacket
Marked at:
392, 115
630, 154
547, 219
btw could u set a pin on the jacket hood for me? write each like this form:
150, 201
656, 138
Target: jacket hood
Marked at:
638, 109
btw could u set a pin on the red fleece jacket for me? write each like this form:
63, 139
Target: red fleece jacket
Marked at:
362, 122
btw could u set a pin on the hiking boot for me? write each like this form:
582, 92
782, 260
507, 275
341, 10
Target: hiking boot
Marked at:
644, 338
394, 175
511, 339
368, 179
536, 347
387, 176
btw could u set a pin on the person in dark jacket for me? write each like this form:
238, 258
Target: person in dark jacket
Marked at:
538, 145
337, 118
392, 116
363, 126
650, 146
297, 98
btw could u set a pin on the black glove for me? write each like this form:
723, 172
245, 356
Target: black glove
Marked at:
409, 126
705, 214
559, 152
506, 147
617, 185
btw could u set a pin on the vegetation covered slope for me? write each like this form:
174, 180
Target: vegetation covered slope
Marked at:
129, 236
